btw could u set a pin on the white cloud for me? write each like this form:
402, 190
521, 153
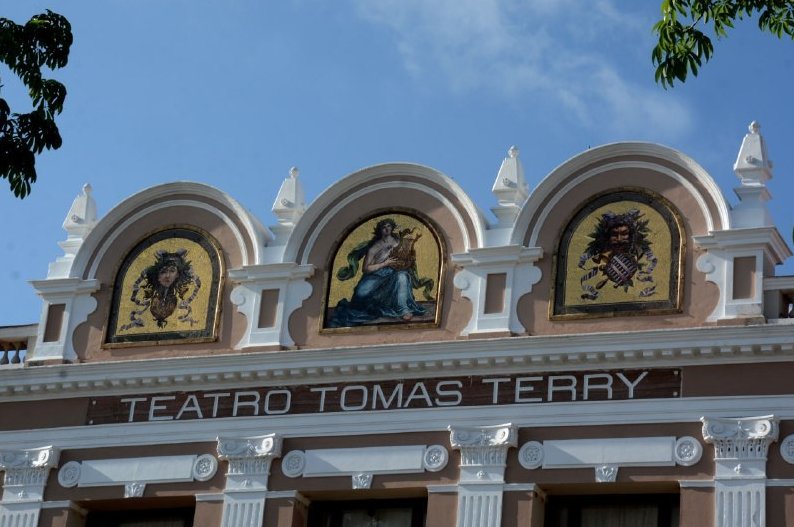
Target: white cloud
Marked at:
555, 51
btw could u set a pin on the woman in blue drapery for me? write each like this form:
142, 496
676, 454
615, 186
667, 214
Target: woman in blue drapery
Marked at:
387, 283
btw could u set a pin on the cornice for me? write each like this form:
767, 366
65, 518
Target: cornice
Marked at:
640, 349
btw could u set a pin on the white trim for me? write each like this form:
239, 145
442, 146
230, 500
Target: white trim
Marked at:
442, 489
696, 483
562, 193
340, 189
637, 349
780, 483
520, 487
102, 249
64, 504
550, 184
402, 185
585, 413
258, 234
209, 497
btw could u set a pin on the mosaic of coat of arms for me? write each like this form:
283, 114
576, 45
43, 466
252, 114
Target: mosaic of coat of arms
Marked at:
386, 271
167, 290
621, 253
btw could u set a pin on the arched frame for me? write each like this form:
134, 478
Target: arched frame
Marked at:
622, 253
167, 290
402, 293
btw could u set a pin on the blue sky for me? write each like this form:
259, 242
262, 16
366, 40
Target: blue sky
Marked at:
234, 93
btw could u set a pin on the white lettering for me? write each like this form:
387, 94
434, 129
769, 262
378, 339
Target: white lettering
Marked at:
631, 385
378, 394
455, 393
590, 385
521, 388
153, 407
570, 387
132, 401
496, 383
253, 403
287, 402
419, 387
191, 405
216, 396
322, 395
343, 398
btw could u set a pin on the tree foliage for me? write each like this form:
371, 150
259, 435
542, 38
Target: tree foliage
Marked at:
44, 41
683, 48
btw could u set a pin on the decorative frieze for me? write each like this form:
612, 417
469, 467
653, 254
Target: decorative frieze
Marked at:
135, 473
607, 455
364, 463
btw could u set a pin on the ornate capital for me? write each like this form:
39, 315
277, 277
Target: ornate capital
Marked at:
740, 438
26, 472
249, 455
483, 451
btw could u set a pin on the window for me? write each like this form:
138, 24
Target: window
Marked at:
142, 518
373, 513
648, 510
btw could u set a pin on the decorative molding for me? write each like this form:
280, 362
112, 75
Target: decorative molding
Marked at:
483, 451
518, 265
137, 472
205, 467
134, 490
362, 481
355, 462
607, 455
26, 472
291, 282
249, 459
436, 458
657, 348
740, 455
548, 193
606, 474
69, 475
741, 439
530, 455
787, 449
687, 451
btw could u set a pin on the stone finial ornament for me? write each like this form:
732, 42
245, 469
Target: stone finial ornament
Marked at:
510, 187
82, 214
753, 166
290, 202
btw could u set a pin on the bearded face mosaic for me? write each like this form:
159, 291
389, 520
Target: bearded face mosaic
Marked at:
386, 271
622, 253
167, 290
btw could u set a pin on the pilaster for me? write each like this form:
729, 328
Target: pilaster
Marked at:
740, 450
483, 455
246, 480
26, 473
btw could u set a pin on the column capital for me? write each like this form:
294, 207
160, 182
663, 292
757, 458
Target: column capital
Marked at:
26, 472
745, 438
483, 451
249, 459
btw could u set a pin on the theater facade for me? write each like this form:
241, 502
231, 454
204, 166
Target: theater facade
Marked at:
609, 348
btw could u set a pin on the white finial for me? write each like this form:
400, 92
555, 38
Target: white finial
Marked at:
754, 169
82, 214
80, 220
510, 188
289, 204
753, 166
